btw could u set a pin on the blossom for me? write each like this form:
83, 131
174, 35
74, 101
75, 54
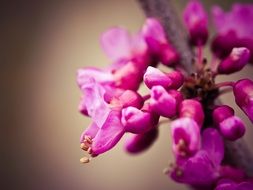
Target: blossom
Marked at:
195, 19
233, 29
202, 169
158, 45
243, 92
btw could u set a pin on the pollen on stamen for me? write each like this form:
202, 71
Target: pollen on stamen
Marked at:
84, 146
85, 160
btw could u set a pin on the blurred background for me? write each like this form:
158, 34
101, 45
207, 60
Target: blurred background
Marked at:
43, 44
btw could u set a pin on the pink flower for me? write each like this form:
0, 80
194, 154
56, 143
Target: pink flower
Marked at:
202, 169
120, 46
157, 42
243, 92
233, 29
237, 59
195, 19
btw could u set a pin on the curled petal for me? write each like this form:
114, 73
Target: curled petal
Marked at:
162, 102
137, 143
186, 136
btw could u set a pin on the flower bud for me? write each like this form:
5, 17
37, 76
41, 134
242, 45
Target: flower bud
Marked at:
137, 143
154, 77
195, 20
162, 102
186, 136
230, 126
243, 92
237, 59
192, 109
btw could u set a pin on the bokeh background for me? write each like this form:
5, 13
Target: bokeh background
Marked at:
43, 44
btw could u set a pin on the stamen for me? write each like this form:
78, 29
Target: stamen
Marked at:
84, 146
85, 160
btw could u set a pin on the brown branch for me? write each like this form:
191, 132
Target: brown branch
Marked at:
237, 153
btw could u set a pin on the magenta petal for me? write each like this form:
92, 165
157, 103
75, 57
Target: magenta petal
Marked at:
137, 143
116, 43
137, 121
213, 144
94, 101
186, 136
162, 102
109, 134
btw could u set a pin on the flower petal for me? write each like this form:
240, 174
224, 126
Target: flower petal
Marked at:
109, 134
116, 42
213, 144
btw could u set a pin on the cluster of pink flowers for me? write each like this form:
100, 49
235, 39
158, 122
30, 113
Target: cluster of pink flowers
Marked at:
111, 99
